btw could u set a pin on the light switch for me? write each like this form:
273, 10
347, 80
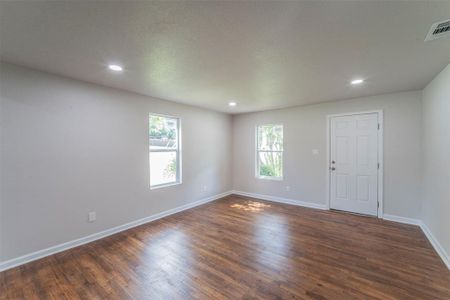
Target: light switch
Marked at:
92, 216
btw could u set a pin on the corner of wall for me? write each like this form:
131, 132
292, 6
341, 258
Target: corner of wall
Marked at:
435, 167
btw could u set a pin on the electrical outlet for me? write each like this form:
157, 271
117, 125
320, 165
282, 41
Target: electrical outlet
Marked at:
92, 216
205, 188
288, 188
315, 151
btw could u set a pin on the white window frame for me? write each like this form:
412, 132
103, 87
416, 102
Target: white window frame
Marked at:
178, 178
259, 151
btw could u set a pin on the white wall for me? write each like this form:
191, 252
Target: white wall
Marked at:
305, 129
69, 147
436, 145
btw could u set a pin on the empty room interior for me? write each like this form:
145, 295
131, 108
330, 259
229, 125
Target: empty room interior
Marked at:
225, 149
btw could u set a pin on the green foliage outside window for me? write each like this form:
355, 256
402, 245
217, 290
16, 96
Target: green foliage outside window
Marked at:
163, 142
267, 170
270, 147
162, 128
171, 169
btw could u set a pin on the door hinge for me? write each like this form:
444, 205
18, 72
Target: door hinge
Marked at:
378, 165
378, 126
378, 204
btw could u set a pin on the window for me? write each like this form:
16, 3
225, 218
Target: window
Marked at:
164, 145
269, 152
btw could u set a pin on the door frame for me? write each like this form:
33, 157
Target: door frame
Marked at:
380, 157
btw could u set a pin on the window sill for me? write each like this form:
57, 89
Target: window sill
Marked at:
270, 178
155, 187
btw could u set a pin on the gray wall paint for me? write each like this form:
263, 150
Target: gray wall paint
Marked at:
305, 129
436, 193
69, 147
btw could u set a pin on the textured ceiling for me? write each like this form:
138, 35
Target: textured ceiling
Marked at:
263, 55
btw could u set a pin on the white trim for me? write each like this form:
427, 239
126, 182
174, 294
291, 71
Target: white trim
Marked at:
163, 185
356, 113
381, 162
179, 177
257, 176
435, 243
270, 178
5, 265
433, 240
282, 200
380, 156
403, 220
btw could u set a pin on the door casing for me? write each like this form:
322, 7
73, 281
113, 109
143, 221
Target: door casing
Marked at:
380, 156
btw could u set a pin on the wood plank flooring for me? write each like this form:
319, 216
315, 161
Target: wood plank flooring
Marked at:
242, 248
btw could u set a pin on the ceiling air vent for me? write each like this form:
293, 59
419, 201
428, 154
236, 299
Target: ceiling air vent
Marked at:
438, 30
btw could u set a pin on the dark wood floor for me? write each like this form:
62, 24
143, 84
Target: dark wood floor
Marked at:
239, 248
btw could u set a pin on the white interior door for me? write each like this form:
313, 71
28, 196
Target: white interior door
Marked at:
354, 163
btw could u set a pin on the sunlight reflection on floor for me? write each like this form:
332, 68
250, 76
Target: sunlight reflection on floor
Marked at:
272, 235
251, 206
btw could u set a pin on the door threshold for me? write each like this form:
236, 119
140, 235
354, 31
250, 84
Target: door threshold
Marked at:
352, 213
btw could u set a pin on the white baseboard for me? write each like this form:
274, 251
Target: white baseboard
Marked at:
282, 200
403, 220
434, 242
5, 265
437, 246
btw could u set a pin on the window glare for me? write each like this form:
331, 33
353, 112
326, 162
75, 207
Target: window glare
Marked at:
163, 167
271, 164
270, 137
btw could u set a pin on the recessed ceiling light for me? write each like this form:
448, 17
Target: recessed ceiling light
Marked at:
357, 81
232, 103
116, 68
